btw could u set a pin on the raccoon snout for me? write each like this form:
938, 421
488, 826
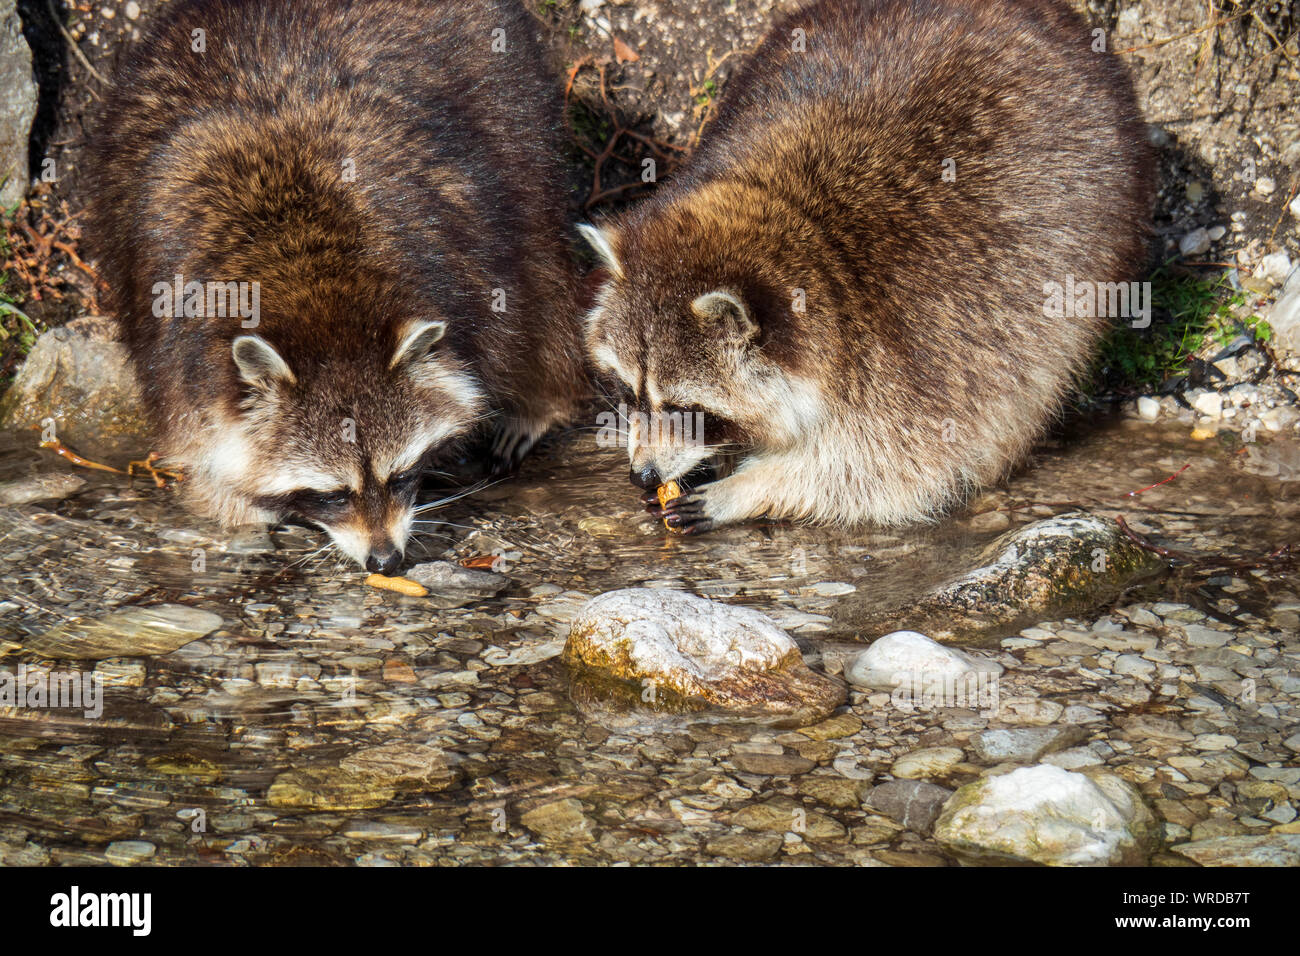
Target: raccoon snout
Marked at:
646, 477
383, 562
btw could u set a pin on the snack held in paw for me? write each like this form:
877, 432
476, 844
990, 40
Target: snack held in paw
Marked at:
669, 491
400, 585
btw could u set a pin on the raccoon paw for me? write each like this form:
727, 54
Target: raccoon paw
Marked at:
687, 515
514, 439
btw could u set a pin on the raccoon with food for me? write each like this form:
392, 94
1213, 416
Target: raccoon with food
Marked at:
848, 278
336, 241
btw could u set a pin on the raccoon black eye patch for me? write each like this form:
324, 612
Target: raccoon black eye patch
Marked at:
407, 478
310, 500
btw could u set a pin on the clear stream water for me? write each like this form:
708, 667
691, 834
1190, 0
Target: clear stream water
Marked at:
311, 666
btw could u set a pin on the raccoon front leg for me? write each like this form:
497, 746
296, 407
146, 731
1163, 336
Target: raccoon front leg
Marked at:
762, 486
515, 435
513, 439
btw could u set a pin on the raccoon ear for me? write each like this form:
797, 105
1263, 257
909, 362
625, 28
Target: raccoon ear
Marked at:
418, 342
602, 241
258, 362
726, 309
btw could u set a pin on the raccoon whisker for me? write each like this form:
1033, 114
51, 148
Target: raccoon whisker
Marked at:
431, 534
309, 555
472, 489
450, 524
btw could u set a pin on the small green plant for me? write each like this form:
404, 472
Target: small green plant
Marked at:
707, 92
589, 126
17, 331
1190, 313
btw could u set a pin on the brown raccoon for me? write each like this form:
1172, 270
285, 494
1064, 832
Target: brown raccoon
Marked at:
380, 182
849, 279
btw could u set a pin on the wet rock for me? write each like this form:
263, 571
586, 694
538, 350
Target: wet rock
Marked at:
1031, 711
185, 764
926, 762
1274, 268
406, 765
841, 725
1279, 849
839, 792
1279, 458
699, 651
1047, 815
562, 821
906, 658
17, 106
1147, 727
53, 487
381, 832
783, 814
754, 847
452, 586
79, 376
323, 788
1284, 319
772, 764
1195, 243
1051, 569
133, 632
914, 804
1024, 744
250, 539
1148, 408
1076, 758
1209, 404
129, 852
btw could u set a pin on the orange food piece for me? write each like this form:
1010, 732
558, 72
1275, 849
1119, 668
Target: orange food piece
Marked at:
400, 585
479, 561
667, 492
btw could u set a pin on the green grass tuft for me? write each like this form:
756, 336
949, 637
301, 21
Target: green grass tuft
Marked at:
1190, 313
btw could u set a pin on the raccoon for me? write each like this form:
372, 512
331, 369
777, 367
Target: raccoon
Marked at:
378, 186
848, 279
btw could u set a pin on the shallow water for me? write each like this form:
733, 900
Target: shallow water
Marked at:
311, 667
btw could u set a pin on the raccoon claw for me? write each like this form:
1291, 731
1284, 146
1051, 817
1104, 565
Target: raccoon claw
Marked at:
509, 447
685, 515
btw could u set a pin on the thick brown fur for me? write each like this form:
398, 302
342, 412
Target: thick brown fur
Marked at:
922, 363
377, 168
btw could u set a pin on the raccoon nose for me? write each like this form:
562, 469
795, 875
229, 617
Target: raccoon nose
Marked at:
383, 562
645, 477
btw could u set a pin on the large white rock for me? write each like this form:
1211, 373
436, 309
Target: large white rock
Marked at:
1284, 320
896, 659
1048, 815
79, 376
700, 650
